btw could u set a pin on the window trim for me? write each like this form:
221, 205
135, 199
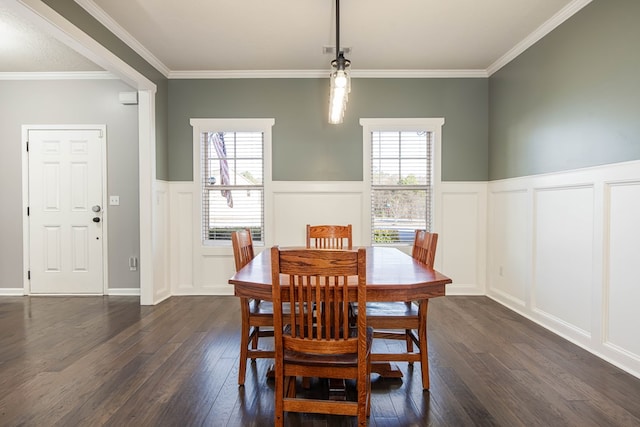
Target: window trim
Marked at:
369, 125
232, 125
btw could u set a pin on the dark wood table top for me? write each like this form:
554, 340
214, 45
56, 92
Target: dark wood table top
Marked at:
392, 275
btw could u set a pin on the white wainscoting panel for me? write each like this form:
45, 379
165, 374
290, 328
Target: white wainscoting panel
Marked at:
183, 239
196, 269
461, 221
563, 257
216, 265
161, 248
572, 242
509, 230
295, 205
622, 294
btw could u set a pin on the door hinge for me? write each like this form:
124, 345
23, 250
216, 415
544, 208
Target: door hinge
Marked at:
27, 210
28, 274
27, 146
100, 134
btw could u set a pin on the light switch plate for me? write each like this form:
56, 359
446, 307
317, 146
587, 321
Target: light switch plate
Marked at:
114, 200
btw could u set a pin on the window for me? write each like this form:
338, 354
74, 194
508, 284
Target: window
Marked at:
232, 171
400, 174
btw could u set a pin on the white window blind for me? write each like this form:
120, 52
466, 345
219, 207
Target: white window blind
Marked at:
232, 184
401, 184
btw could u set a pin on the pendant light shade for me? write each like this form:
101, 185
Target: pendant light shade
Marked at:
340, 80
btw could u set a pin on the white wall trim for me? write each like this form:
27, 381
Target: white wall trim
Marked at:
318, 74
134, 292
148, 209
12, 292
59, 75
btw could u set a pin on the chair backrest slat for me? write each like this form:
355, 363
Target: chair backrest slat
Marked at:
242, 247
329, 236
424, 247
325, 282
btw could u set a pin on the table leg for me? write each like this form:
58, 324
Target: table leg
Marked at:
386, 370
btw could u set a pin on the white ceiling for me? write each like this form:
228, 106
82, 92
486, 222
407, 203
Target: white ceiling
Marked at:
400, 36
26, 48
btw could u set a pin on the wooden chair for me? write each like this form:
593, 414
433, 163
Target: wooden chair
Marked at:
329, 236
389, 318
256, 314
321, 344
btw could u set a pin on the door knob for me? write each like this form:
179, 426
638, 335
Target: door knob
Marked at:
96, 219
96, 208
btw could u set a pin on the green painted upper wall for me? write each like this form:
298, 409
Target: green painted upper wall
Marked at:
307, 148
87, 23
573, 99
570, 101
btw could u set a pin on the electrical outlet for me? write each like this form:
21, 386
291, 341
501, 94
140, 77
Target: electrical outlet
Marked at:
114, 200
133, 263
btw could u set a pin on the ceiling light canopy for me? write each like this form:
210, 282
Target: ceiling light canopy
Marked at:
340, 80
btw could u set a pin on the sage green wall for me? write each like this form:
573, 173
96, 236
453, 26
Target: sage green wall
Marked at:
87, 23
307, 148
573, 99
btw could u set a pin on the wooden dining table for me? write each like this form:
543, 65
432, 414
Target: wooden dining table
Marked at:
392, 275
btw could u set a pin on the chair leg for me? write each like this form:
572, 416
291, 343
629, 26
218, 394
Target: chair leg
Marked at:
306, 383
407, 337
254, 340
369, 387
290, 388
363, 383
422, 340
278, 412
244, 340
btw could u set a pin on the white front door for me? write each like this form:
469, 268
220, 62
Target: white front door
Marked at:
65, 211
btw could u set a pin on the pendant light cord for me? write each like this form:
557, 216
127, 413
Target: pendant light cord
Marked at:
337, 29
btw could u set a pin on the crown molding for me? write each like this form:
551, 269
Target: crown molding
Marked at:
62, 75
314, 74
418, 74
248, 74
101, 16
565, 13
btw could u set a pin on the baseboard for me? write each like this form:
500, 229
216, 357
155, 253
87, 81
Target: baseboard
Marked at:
464, 289
11, 292
219, 290
124, 292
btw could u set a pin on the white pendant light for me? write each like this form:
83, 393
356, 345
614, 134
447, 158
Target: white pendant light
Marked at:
340, 80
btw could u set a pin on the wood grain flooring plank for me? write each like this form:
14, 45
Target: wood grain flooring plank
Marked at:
107, 361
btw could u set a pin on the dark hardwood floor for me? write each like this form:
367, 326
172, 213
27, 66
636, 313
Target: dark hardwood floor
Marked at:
93, 361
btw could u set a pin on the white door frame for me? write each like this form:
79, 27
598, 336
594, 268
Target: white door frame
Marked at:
25, 200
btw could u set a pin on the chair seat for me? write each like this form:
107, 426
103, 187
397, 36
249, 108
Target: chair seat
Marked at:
326, 359
392, 309
264, 308
260, 308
